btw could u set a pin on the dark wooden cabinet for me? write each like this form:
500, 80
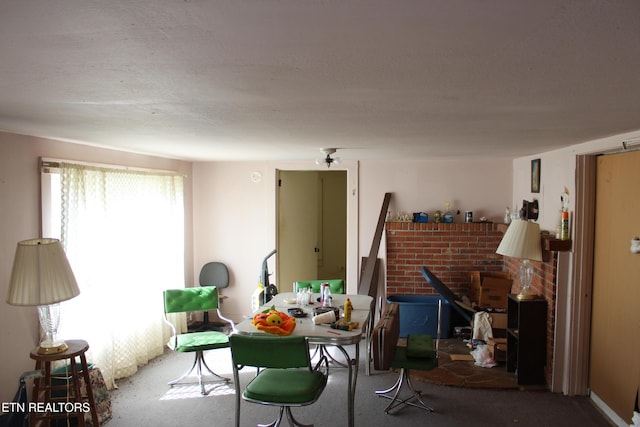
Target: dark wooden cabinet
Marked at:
527, 339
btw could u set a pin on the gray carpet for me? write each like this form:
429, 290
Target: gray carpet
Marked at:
146, 400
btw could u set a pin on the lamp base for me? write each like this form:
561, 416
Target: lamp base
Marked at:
58, 347
525, 297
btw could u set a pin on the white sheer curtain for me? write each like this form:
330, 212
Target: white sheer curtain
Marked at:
123, 232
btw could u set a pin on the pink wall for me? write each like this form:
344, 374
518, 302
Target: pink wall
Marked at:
235, 217
558, 170
480, 185
20, 220
233, 224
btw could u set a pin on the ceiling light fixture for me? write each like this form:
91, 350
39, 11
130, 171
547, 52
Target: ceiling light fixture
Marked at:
328, 160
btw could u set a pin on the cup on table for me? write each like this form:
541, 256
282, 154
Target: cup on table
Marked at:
326, 317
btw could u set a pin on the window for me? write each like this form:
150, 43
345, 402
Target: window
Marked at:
123, 232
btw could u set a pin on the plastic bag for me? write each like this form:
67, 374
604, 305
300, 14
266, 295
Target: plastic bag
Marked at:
482, 356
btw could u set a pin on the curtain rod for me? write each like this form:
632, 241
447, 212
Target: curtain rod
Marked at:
52, 163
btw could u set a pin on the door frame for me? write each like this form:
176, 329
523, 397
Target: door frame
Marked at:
352, 167
574, 358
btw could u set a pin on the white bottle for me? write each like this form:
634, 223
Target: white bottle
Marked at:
507, 216
327, 302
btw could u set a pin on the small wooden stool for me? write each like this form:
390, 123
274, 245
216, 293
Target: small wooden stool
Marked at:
71, 403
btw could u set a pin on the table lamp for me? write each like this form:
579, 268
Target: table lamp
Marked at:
41, 276
522, 240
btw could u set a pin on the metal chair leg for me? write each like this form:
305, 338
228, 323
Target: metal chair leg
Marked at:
292, 420
395, 386
324, 352
220, 377
403, 379
285, 410
320, 351
185, 375
276, 422
197, 365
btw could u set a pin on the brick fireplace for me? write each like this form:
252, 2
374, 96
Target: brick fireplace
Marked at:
451, 252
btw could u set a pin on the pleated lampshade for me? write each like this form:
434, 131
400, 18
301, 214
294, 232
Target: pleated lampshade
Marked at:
522, 240
41, 274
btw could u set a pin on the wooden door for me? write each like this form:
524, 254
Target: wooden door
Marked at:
297, 228
614, 370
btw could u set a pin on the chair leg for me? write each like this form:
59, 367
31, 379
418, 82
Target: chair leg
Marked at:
185, 375
315, 352
285, 410
321, 350
293, 421
198, 363
204, 363
404, 378
396, 386
276, 422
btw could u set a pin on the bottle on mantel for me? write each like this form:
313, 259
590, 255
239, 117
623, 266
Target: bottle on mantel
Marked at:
507, 216
564, 226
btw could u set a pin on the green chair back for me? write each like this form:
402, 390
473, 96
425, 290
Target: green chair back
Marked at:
285, 376
191, 299
270, 351
194, 300
335, 285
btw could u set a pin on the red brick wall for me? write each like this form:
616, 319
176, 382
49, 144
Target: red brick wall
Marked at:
451, 252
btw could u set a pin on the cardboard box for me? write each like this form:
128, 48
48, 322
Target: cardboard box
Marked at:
489, 290
498, 320
476, 279
494, 292
498, 349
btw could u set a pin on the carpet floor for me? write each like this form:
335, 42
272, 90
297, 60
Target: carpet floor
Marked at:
145, 399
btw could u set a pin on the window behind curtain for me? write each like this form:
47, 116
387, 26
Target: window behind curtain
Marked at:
123, 232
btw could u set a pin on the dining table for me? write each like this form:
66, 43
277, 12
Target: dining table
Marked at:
323, 334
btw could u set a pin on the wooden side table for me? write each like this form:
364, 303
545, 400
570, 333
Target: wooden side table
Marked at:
63, 400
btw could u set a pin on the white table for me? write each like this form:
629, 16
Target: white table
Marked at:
324, 335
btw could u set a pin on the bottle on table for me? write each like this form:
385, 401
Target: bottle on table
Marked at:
348, 308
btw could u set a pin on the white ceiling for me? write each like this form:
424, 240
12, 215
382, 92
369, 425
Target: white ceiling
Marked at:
280, 79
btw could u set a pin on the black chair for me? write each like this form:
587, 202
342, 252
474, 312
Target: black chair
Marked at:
213, 274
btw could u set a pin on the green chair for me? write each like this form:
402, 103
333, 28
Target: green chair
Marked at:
418, 354
288, 378
195, 300
336, 286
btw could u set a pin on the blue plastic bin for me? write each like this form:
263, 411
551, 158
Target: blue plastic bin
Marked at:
419, 315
